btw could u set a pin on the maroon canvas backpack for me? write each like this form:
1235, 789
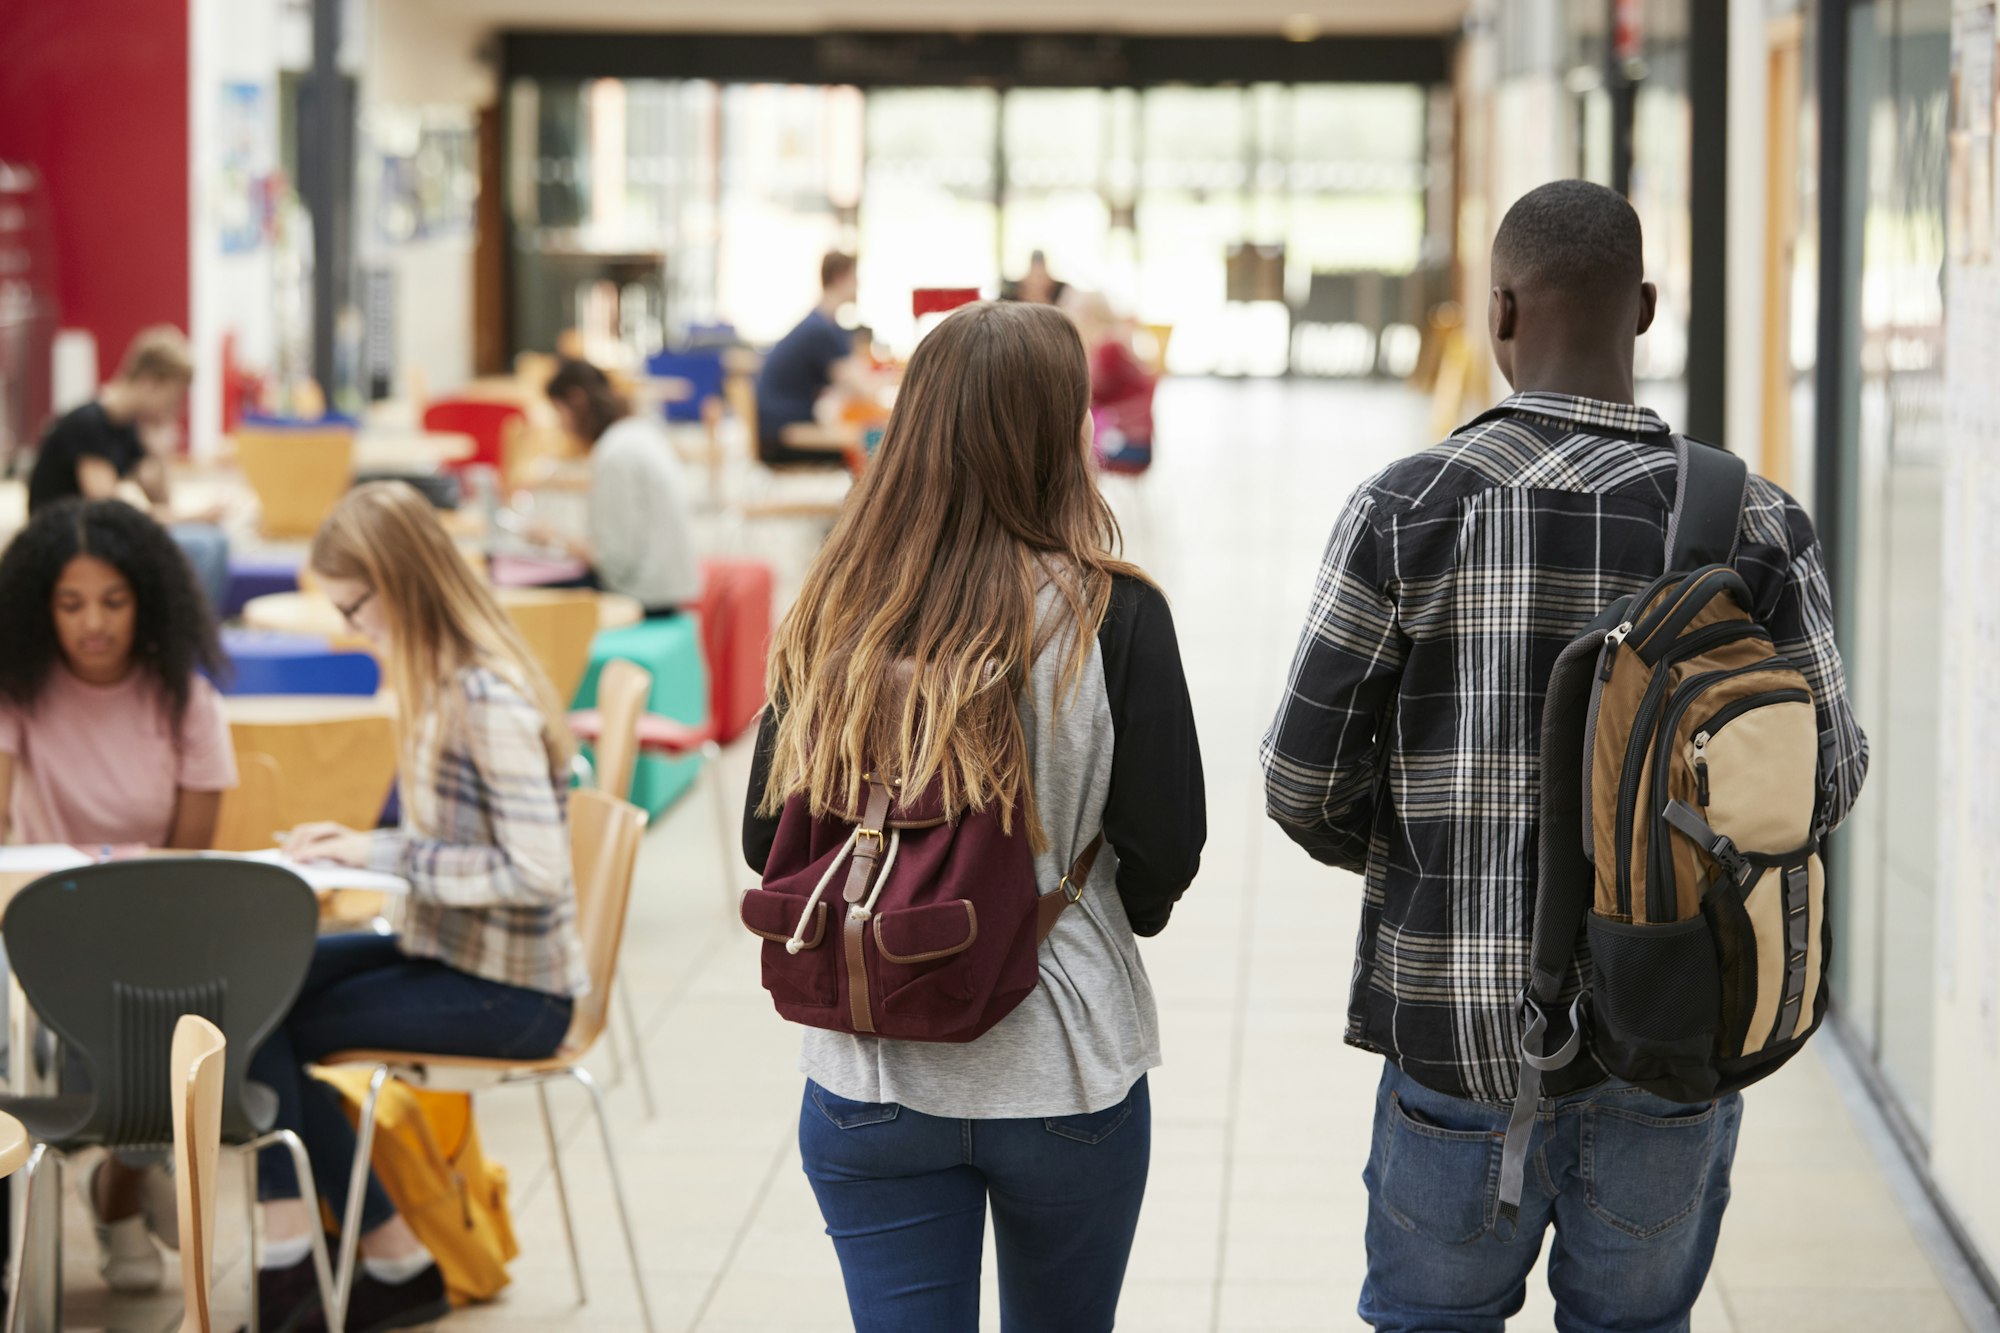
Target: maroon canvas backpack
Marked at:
903, 923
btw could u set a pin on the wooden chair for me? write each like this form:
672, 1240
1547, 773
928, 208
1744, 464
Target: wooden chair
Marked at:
196, 1067
298, 475
558, 624
604, 841
255, 809
613, 728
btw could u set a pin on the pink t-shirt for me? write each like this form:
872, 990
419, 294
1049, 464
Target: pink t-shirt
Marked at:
100, 763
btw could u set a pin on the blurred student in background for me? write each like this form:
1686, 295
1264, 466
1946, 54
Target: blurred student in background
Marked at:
641, 540
488, 959
1037, 285
1121, 387
110, 736
814, 358
127, 432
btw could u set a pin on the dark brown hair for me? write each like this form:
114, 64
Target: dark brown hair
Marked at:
980, 495
585, 390
835, 267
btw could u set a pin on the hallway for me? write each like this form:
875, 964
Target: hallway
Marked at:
1254, 1215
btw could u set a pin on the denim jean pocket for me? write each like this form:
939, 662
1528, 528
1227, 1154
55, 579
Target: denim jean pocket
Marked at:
1438, 1182
845, 1114
1646, 1161
1095, 1127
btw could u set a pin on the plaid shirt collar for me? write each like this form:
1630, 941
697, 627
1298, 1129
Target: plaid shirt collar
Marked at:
1591, 412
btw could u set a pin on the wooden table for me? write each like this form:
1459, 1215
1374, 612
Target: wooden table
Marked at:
337, 753
391, 449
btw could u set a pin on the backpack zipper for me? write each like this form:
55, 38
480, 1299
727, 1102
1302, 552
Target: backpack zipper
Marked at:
1709, 636
1658, 868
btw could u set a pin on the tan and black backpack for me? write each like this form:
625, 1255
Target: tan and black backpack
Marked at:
1683, 802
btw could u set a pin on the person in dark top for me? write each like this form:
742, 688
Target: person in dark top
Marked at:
1407, 749
88, 451
815, 356
975, 568
1037, 284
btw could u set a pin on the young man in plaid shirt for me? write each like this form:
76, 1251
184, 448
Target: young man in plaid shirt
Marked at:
1407, 750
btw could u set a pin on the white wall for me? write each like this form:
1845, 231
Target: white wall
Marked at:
229, 42
418, 56
1965, 1154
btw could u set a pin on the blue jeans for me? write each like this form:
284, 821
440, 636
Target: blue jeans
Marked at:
905, 1194
1634, 1185
362, 992
207, 550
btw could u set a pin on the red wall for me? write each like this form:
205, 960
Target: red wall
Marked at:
94, 95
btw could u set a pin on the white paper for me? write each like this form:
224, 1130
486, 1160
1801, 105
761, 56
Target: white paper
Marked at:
323, 877
40, 858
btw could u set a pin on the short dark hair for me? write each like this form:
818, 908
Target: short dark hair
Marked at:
1571, 237
834, 267
173, 633
601, 405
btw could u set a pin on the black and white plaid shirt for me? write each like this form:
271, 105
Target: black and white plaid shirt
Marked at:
1407, 745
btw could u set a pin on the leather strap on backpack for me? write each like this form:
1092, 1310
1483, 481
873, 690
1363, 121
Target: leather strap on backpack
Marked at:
1050, 906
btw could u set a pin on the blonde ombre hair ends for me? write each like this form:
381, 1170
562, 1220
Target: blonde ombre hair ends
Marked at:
911, 640
442, 616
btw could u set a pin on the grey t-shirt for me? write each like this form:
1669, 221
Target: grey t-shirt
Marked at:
1117, 754
640, 528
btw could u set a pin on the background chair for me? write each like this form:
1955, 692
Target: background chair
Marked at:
604, 838
196, 1088
255, 809
111, 956
298, 474
559, 625
485, 421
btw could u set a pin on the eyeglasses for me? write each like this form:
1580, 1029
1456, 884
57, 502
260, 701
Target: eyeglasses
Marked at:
348, 613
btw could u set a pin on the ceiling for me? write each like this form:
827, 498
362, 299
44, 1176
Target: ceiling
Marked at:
1298, 18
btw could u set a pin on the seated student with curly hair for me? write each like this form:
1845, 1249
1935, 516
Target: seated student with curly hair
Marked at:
109, 736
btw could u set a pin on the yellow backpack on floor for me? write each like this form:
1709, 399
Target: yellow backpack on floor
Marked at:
427, 1156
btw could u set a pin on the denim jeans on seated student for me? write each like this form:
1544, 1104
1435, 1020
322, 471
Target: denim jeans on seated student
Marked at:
1633, 1184
207, 550
905, 1196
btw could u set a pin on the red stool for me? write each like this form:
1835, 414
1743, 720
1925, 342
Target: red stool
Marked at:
485, 422
735, 639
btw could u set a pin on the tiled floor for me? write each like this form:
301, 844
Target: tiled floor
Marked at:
1254, 1213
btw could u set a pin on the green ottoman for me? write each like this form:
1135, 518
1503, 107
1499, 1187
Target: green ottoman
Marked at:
671, 650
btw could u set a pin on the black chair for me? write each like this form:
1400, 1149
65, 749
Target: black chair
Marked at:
110, 956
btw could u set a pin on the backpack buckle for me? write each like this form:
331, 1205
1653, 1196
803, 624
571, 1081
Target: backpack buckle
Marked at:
1074, 892
1733, 862
874, 833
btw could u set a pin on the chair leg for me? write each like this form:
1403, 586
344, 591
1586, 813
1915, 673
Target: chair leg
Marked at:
582, 1075
629, 1020
308, 1195
562, 1190
726, 844
17, 1266
250, 1247
357, 1188
612, 1055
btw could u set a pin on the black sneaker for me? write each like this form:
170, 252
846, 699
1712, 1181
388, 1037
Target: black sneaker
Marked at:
287, 1298
375, 1306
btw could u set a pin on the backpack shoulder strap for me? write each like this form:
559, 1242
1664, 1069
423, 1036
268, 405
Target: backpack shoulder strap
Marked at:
1708, 505
1050, 906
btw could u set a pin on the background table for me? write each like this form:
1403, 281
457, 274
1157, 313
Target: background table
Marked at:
393, 449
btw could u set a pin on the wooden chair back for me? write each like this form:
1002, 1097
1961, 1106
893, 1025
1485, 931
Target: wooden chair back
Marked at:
298, 475
622, 691
558, 624
605, 834
255, 809
196, 1069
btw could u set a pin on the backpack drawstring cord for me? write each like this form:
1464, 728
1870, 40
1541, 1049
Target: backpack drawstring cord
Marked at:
797, 941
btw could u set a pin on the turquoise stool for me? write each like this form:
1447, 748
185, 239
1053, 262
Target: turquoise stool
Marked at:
671, 650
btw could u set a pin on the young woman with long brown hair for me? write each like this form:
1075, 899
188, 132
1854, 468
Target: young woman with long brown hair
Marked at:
488, 961
970, 618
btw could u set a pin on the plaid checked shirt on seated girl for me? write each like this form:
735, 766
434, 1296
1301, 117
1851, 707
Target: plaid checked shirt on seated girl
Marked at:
485, 847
